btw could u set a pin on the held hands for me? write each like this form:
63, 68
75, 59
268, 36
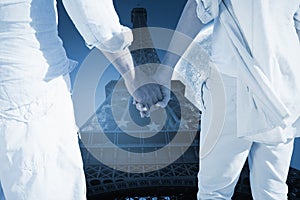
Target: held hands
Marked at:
149, 92
146, 96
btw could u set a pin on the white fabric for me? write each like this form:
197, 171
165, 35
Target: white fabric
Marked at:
40, 159
98, 22
207, 10
255, 89
28, 28
220, 169
31, 51
269, 30
274, 44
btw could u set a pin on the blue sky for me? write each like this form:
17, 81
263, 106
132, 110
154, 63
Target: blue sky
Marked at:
161, 13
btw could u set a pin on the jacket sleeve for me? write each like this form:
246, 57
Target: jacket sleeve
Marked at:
98, 23
207, 10
297, 19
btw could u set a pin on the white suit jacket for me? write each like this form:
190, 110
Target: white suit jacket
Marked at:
269, 29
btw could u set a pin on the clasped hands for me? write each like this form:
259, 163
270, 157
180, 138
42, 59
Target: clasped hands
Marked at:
148, 92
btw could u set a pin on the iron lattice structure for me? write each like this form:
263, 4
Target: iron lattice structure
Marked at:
177, 179
142, 49
161, 171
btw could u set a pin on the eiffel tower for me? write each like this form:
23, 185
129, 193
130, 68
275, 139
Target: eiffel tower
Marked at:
131, 178
143, 39
173, 165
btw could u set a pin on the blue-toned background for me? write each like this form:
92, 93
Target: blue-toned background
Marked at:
163, 14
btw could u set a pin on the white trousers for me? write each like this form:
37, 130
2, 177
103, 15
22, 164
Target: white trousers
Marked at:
40, 159
220, 169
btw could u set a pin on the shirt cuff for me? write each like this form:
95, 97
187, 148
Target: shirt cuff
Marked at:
207, 10
118, 42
